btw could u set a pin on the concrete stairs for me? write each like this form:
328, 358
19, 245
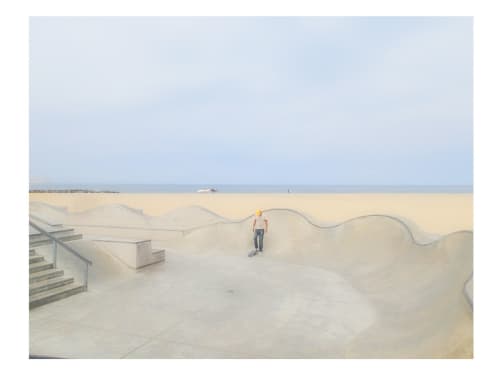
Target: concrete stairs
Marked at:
158, 255
64, 234
47, 283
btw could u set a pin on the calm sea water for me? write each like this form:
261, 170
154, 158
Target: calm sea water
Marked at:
300, 189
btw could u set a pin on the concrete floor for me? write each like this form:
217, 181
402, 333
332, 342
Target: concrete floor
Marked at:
215, 306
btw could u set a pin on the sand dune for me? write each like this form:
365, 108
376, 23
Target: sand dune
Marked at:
416, 289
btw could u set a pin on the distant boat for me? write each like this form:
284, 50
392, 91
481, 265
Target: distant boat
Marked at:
209, 190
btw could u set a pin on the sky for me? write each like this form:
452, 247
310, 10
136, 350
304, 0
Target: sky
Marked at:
252, 100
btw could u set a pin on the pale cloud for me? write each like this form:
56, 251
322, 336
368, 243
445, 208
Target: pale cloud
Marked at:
218, 95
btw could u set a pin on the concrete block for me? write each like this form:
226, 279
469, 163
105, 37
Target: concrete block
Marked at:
133, 252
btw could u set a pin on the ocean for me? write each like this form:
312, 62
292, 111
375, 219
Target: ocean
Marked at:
253, 189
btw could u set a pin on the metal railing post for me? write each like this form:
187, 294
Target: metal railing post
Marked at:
86, 276
54, 253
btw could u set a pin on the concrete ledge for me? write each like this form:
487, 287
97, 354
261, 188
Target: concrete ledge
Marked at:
118, 240
43, 242
134, 253
56, 232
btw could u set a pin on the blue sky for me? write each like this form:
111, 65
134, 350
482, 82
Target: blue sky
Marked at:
350, 101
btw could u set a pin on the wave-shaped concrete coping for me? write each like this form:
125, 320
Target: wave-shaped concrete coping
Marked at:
332, 226
136, 211
225, 220
467, 291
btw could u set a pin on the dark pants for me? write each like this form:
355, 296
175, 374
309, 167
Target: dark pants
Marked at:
258, 235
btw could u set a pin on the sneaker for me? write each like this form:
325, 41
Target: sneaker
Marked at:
260, 250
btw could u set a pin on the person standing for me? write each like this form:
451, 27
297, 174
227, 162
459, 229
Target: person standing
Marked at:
259, 227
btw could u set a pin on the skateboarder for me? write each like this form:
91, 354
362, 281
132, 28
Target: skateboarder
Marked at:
259, 227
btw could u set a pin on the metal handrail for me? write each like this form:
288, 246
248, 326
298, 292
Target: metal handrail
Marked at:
57, 241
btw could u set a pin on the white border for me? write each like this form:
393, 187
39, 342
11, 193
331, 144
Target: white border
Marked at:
14, 146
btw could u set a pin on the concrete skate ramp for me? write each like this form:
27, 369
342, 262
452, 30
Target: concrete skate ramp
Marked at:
111, 215
47, 214
186, 217
417, 295
417, 289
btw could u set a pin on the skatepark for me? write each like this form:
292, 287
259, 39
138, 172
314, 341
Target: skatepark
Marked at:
373, 286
